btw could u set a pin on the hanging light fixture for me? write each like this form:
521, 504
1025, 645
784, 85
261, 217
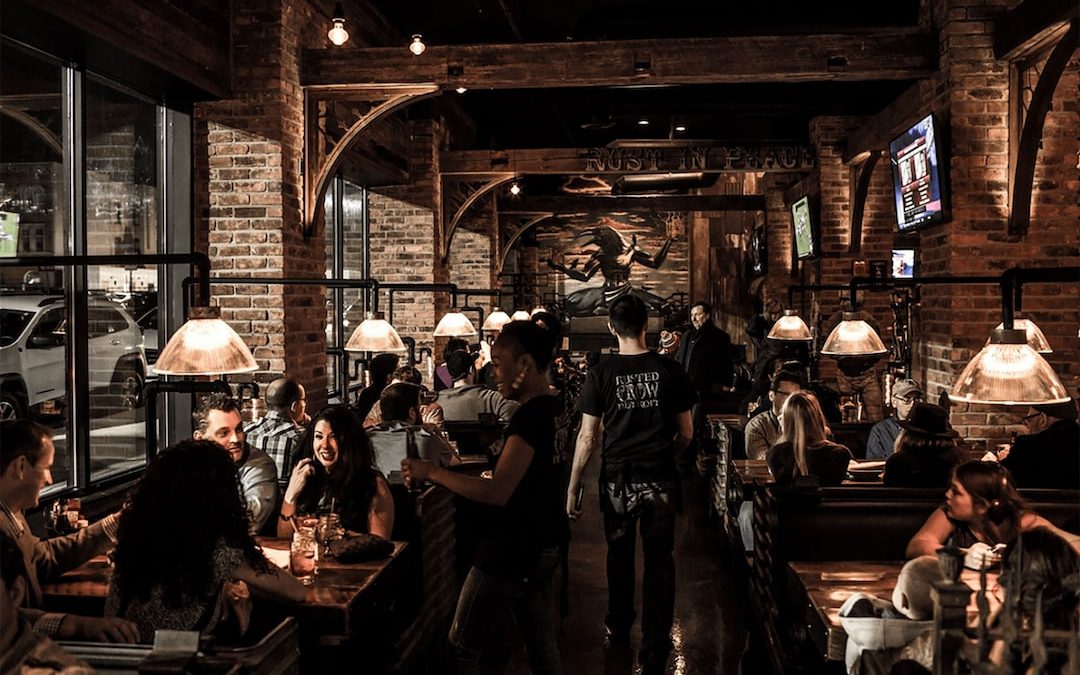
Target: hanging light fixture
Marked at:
338, 35
417, 45
520, 315
454, 324
375, 334
496, 320
790, 328
515, 189
1035, 338
205, 345
853, 337
1007, 371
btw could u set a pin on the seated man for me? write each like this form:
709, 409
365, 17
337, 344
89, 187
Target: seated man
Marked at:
466, 401
279, 432
431, 414
217, 418
905, 394
1048, 457
763, 429
21, 649
391, 439
26, 458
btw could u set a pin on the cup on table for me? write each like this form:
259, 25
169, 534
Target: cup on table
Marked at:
303, 554
328, 530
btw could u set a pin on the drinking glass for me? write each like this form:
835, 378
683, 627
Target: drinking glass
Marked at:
329, 529
303, 555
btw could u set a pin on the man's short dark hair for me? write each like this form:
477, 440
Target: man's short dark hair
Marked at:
704, 305
408, 374
282, 393
454, 345
201, 413
21, 438
628, 316
787, 376
397, 400
459, 365
12, 564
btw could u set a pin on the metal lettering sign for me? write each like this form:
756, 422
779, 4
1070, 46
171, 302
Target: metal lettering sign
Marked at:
632, 159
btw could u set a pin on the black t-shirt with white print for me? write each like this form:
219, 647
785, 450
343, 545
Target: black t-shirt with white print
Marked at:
639, 398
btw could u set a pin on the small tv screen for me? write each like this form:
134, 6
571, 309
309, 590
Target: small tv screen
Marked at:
903, 263
918, 176
805, 246
9, 234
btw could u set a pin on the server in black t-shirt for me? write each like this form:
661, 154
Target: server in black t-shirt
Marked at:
641, 403
518, 554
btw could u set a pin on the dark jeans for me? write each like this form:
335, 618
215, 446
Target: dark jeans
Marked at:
482, 607
653, 507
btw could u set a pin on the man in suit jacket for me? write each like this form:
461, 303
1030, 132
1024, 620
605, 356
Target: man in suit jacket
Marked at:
26, 458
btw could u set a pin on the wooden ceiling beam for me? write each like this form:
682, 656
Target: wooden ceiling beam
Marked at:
1032, 25
561, 205
892, 54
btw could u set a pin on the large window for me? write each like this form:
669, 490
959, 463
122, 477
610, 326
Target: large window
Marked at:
346, 258
84, 165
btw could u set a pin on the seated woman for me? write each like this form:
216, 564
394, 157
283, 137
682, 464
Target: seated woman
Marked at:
183, 538
803, 449
982, 509
925, 451
336, 472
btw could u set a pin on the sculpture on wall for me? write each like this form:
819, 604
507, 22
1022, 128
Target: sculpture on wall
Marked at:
613, 258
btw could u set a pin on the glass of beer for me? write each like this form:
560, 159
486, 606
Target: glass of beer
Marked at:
302, 555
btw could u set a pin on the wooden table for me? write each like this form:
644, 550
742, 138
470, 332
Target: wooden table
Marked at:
822, 587
347, 595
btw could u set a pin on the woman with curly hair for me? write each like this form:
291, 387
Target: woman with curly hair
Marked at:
803, 448
183, 537
982, 509
336, 471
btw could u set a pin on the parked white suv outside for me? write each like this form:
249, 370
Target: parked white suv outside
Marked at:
33, 333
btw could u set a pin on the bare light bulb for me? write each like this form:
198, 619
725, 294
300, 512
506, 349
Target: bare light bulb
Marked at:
417, 45
643, 122
461, 90
338, 35
680, 128
515, 189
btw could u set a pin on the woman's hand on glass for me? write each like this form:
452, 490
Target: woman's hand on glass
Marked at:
301, 474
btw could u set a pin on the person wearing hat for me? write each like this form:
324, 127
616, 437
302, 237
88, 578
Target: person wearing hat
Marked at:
1048, 457
883, 435
467, 400
926, 449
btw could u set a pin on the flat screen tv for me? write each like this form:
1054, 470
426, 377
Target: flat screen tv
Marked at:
9, 234
801, 220
903, 263
918, 175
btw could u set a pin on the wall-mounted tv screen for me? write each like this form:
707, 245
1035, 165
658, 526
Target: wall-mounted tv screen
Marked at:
805, 246
918, 176
9, 234
903, 263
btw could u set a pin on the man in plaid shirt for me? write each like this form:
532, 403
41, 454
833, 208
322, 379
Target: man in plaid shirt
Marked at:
279, 432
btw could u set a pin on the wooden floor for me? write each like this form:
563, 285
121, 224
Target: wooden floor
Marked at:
710, 628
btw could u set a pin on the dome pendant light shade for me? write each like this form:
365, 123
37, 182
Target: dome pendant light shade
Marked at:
205, 345
790, 328
496, 320
520, 315
1035, 338
375, 334
337, 34
853, 337
454, 324
1008, 372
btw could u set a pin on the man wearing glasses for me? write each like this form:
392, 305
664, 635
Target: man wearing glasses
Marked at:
906, 393
1048, 457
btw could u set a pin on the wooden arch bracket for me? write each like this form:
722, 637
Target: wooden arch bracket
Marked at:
1023, 169
863, 172
320, 168
458, 199
512, 229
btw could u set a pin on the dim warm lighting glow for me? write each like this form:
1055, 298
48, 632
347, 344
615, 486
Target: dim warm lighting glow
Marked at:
1035, 338
338, 35
375, 334
790, 327
205, 345
461, 90
643, 122
454, 324
417, 45
496, 320
680, 128
515, 189
520, 315
1008, 372
853, 337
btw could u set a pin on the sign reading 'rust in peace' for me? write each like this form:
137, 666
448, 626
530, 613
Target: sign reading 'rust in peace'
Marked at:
699, 158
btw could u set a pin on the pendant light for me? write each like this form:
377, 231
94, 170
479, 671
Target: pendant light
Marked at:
853, 337
790, 327
1007, 371
375, 334
454, 324
496, 320
1035, 338
520, 315
337, 34
205, 345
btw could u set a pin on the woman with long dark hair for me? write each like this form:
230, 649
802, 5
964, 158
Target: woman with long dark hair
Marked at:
804, 448
336, 472
982, 508
184, 535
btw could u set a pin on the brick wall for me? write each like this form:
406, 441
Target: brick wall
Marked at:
473, 256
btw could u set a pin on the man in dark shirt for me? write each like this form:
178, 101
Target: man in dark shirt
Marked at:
641, 403
705, 352
1048, 457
